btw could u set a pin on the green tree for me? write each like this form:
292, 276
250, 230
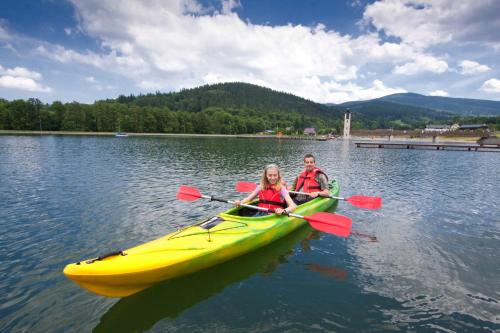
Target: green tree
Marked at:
74, 117
22, 115
58, 108
4, 115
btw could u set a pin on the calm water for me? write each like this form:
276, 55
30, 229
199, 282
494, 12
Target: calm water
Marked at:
434, 267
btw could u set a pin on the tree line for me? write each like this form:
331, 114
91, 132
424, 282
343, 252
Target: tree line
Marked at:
225, 108
113, 116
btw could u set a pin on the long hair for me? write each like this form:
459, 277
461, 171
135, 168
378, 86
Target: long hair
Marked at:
264, 183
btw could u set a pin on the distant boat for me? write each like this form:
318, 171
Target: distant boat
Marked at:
326, 137
121, 134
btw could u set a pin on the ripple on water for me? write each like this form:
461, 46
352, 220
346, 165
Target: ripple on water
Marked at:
434, 266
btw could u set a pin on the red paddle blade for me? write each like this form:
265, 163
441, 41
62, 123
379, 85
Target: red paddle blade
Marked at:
330, 223
245, 186
188, 193
365, 202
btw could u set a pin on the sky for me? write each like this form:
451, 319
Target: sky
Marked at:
328, 51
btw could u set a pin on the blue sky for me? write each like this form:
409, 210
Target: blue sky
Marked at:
324, 50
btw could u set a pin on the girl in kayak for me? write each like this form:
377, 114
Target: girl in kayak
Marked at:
271, 192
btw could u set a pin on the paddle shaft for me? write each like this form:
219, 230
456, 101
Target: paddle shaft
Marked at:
262, 209
359, 201
324, 196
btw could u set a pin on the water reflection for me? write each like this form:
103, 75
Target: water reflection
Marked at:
166, 300
370, 238
329, 271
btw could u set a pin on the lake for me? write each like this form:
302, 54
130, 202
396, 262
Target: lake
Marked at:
434, 266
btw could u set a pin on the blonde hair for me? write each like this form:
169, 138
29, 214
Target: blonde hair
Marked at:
264, 183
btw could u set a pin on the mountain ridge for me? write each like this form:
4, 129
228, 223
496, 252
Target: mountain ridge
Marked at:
456, 105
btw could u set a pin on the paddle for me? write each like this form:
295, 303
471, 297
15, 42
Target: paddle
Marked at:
327, 222
360, 201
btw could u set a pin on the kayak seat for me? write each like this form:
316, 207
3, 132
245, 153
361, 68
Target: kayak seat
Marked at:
244, 211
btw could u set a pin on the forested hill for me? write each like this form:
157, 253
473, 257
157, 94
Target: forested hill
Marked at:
459, 106
241, 96
228, 108
378, 113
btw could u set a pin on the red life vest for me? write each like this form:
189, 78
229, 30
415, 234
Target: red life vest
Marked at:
306, 181
271, 198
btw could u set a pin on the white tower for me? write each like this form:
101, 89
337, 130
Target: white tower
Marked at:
347, 124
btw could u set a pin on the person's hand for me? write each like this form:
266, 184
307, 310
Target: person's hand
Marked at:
237, 202
280, 211
313, 194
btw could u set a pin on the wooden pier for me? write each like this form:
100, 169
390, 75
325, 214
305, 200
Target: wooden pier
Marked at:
426, 145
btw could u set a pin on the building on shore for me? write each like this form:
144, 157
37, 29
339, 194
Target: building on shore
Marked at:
311, 131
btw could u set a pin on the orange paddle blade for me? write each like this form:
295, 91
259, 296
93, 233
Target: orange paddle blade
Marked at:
362, 201
188, 193
331, 223
245, 186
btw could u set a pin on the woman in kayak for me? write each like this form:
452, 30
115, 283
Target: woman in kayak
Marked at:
271, 192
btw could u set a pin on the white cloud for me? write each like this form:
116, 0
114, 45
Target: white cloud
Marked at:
229, 5
97, 85
21, 78
174, 49
334, 92
418, 27
126, 65
429, 22
20, 72
168, 45
422, 64
356, 3
438, 93
378, 89
468, 67
4, 35
22, 83
101, 87
492, 85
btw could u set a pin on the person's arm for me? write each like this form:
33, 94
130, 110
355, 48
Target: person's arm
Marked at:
291, 205
323, 182
249, 197
293, 185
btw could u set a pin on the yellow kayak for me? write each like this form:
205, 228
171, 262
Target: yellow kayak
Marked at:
191, 249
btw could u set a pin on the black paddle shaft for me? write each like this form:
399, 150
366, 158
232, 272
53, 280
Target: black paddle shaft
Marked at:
212, 198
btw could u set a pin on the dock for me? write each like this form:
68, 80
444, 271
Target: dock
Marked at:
426, 145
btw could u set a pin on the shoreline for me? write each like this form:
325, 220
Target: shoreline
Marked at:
76, 133
245, 136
